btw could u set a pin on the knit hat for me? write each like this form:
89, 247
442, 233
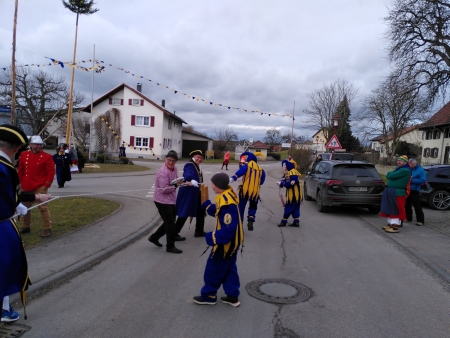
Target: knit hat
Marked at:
403, 158
12, 134
221, 180
172, 154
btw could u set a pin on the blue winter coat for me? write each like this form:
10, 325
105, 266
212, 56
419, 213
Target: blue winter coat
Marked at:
419, 177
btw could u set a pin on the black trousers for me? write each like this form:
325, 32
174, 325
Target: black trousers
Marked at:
199, 219
413, 200
168, 214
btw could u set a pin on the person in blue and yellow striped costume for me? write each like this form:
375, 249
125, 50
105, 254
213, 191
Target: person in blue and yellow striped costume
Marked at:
253, 177
294, 194
221, 268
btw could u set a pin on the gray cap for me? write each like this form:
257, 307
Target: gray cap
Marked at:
221, 180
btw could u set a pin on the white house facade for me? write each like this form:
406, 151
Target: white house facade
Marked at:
124, 116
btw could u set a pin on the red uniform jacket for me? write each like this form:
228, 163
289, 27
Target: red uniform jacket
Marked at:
36, 170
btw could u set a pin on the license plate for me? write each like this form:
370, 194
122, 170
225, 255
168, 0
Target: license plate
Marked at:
357, 188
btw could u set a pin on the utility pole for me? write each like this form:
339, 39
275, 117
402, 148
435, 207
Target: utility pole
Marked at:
292, 133
13, 68
92, 106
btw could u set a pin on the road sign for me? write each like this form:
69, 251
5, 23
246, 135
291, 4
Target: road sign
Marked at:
285, 145
333, 143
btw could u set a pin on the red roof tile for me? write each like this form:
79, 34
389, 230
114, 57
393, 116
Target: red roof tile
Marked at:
440, 118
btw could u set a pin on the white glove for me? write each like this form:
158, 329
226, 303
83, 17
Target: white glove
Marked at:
194, 183
231, 179
21, 209
44, 197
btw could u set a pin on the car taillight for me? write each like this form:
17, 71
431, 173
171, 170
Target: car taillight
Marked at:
334, 182
379, 182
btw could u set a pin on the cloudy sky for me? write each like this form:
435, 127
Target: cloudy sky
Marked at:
249, 54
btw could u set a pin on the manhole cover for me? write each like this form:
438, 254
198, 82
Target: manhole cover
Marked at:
280, 291
12, 330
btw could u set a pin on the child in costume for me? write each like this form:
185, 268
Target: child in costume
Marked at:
253, 177
221, 268
294, 195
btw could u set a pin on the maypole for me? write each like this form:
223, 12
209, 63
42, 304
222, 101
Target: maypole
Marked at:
13, 68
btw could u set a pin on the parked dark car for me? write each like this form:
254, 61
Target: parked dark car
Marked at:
436, 191
336, 183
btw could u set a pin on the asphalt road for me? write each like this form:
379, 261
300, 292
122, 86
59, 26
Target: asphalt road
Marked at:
363, 283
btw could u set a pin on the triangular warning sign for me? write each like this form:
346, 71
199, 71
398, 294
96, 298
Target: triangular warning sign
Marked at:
333, 143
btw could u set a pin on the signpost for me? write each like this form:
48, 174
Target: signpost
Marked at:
333, 143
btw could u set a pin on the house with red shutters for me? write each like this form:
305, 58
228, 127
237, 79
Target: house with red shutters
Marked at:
126, 117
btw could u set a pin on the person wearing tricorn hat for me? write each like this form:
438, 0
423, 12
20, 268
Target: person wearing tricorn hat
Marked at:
221, 268
36, 174
13, 262
166, 183
188, 199
63, 162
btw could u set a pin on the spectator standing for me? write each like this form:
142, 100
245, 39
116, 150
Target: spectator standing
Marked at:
73, 154
253, 177
80, 161
122, 150
394, 195
63, 162
418, 177
188, 199
164, 197
36, 173
13, 262
221, 268
291, 182
226, 160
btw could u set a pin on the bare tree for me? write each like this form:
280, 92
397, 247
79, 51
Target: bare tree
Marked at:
419, 43
81, 130
392, 107
324, 102
225, 138
38, 96
272, 138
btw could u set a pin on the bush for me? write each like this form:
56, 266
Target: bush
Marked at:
275, 156
100, 158
124, 160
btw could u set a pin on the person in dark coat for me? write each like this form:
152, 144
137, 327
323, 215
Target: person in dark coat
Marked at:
188, 199
63, 163
13, 262
80, 161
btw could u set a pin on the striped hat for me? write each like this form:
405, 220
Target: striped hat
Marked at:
403, 158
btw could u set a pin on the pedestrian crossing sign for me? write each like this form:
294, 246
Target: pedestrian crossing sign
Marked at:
333, 143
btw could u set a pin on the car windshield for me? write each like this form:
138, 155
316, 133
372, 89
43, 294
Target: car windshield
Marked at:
355, 171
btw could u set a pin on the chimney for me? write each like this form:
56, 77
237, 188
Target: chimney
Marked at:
163, 103
139, 87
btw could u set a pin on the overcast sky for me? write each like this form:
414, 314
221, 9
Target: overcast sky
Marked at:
249, 54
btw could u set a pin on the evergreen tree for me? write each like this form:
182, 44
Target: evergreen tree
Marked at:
343, 131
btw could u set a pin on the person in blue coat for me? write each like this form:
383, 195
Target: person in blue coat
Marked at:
13, 262
63, 163
221, 268
418, 177
253, 176
188, 199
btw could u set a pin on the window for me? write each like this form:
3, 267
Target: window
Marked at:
437, 134
426, 152
116, 102
435, 152
447, 133
170, 124
445, 174
143, 121
143, 142
135, 102
429, 135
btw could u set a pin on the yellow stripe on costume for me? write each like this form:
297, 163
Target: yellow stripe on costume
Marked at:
252, 181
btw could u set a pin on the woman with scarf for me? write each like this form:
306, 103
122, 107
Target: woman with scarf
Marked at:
394, 195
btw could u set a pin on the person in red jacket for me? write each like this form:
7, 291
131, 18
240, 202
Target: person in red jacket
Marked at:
36, 173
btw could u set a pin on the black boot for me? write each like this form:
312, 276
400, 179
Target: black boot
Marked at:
250, 225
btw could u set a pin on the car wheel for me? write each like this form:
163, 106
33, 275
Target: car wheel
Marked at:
374, 209
439, 200
305, 193
319, 202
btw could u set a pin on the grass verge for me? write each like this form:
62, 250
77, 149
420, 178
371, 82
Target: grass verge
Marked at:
67, 214
91, 168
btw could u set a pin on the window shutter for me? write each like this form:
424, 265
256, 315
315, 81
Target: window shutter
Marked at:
151, 142
152, 121
133, 120
110, 100
121, 102
132, 141
130, 102
142, 102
